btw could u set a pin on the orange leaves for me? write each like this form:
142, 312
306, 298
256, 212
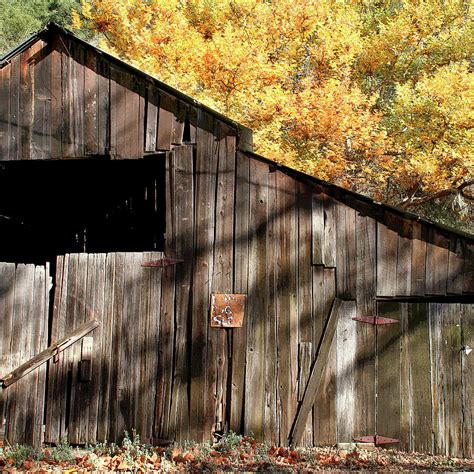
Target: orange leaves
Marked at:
359, 93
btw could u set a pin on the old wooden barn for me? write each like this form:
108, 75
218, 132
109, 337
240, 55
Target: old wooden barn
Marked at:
127, 210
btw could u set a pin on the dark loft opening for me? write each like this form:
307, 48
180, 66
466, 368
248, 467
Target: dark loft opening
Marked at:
49, 208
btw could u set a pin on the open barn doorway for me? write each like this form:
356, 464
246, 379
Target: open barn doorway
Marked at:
50, 208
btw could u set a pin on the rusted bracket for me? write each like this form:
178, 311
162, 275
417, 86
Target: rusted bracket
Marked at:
375, 320
376, 440
162, 262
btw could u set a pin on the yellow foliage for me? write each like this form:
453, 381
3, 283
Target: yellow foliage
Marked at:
359, 92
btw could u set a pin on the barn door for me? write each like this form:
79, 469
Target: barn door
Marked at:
106, 383
425, 377
24, 303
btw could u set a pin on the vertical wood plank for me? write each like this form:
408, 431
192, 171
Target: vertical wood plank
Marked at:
255, 357
184, 224
241, 265
404, 258
364, 422
56, 100
324, 417
177, 129
104, 108
151, 340
223, 265
418, 258
5, 112
132, 124
418, 348
436, 263
271, 413
91, 104
96, 309
329, 249
19, 414
346, 347
201, 412
346, 272
41, 311
7, 293
317, 221
287, 303
468, 269
387, 254
305, 360
41, 124
54, 397
26, 99
166, 348
388, 372
77, 98
445, 332
14, 137
73, 100
455, 263
77, 317
406, 383
116, 421
152, 107
107, 357
305, 213
165, 122
121, 114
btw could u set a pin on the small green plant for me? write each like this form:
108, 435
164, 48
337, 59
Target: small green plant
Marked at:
132, 449
19, 453
103, 449
62, 453
204, 450
229, 442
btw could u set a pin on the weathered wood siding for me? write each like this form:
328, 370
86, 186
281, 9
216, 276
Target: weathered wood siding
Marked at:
60, 99
124, 298
24, 302
425, 378
240, 224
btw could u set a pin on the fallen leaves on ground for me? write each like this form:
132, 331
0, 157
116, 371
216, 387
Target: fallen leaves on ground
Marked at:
241, 454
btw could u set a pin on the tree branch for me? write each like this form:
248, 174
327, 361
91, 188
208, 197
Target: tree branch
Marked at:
417, 201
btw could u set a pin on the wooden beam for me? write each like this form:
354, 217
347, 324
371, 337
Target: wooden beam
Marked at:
48, 353
316, 376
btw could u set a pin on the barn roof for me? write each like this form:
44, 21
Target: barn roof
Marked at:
53, 28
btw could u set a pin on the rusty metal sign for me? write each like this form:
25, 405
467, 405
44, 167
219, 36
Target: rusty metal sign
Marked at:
227, 310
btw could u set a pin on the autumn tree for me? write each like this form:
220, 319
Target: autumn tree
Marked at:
373, 95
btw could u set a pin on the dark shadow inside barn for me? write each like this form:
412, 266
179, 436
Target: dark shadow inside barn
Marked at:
50, 208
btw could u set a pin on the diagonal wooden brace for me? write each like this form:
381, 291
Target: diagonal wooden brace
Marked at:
317, 371
48, 353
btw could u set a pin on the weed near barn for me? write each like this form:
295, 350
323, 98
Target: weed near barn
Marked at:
231, 453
